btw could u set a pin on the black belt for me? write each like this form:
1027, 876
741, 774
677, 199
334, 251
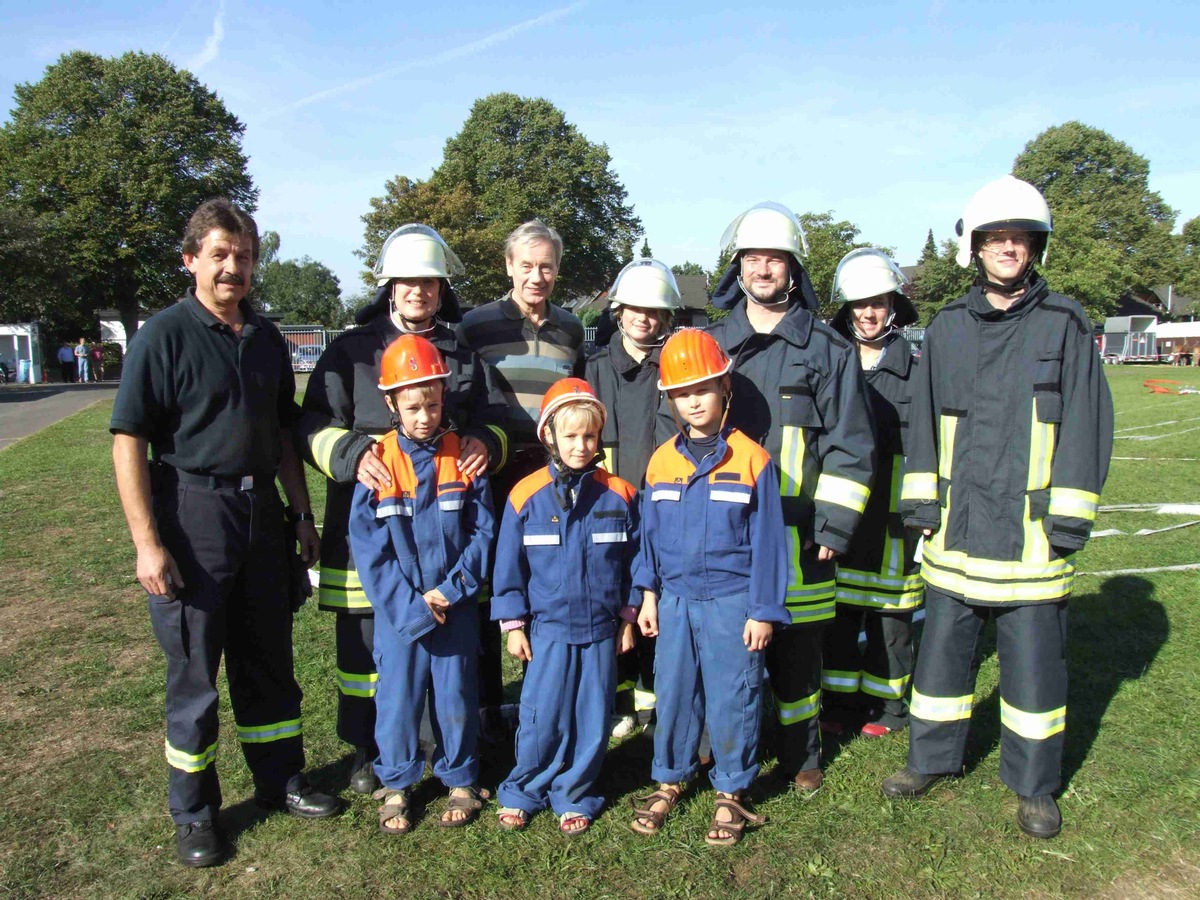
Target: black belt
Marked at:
215, 482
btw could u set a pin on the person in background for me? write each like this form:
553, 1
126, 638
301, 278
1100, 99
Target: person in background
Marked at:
82, 353
66, 362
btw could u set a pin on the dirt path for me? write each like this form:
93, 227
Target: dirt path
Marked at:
26, 410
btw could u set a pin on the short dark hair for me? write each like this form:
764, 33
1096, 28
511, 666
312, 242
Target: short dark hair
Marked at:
222, 213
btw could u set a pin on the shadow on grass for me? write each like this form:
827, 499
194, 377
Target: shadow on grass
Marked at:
1115, 635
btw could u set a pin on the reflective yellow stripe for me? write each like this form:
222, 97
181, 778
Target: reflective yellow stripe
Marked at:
323, 443
191, 762
791, 461
893, 548
357, 684
941, 709
1073, 502
840, 681
887, 689
842, 491
341, 589
1041, 452
947, 428
891, 592
919, 486
644, 700
804, 708
1034, 726
502, 439
264, 734
626, 686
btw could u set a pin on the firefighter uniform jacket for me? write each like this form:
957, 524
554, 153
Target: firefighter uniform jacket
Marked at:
879, 571
629, 390
344, 413
799, 392
714, 528
1010, 436
431, 529
567, 568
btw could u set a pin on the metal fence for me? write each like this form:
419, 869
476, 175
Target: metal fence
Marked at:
307, 343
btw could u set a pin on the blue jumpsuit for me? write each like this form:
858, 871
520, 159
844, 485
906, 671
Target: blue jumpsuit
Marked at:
713, 549
564, 558
431, 529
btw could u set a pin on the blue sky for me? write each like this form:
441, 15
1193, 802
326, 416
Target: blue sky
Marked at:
889, 115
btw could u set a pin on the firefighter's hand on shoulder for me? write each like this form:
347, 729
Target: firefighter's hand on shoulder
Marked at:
157, 571
371, 472
518, 645
473, 456
756, 635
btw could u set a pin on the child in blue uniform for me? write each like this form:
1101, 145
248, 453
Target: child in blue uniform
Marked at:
713, 568
563, 562
422, 547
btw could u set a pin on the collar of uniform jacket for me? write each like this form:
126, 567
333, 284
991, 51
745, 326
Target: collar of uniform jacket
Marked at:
200, 311
795, 327
980, 308
897, 356
622, 361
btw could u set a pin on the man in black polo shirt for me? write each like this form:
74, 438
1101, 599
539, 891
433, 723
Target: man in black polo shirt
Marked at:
208, 387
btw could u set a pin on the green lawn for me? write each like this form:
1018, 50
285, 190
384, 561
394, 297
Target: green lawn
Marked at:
83, 779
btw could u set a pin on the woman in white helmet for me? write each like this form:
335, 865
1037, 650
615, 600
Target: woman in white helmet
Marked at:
643, 300
344, 414
878, 583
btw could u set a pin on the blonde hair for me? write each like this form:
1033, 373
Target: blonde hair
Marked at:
422, 390
581, 414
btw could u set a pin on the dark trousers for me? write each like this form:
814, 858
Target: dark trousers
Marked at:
229, 545
68, 371
635, 681
1031, 649
794, 665
357, 679
871, 681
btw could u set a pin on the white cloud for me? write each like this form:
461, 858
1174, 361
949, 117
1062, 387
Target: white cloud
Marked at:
446, 56
212, 46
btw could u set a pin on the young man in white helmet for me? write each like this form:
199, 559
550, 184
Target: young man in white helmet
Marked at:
344, 415
1010, 437
878, 581
643, 299
801, 395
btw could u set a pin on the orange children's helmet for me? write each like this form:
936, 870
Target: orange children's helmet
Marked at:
564, 392
689, 357
409, 360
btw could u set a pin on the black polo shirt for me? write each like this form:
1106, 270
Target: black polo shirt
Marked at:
208, 401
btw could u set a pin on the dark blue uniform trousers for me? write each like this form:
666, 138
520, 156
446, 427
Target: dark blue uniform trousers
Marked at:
442, 664
566, 702
357, 678
703, 672
229, 545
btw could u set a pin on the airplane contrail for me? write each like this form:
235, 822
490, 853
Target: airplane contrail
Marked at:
212, 46
445, 56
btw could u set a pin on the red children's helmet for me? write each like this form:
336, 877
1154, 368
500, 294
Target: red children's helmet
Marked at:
564, 392
689, 357
410, 360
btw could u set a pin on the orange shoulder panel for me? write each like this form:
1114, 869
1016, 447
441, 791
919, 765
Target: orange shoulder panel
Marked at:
668, 464
528, 486
748, 449
618, 486
404, 478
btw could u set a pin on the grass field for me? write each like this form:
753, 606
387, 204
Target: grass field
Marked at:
83, 779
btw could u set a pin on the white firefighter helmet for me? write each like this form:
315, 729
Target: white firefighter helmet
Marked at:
866, 272
645, 284
416, 251
766, 226
1006, 203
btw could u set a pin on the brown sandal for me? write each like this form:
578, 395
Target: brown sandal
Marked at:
470, 805
653, 819
734, 828
395, 806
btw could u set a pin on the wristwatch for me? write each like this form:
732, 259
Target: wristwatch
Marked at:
297, 517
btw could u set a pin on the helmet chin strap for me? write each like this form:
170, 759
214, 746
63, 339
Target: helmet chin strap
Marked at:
783, 296
407, 325
1008, 290
888, 329
657, 342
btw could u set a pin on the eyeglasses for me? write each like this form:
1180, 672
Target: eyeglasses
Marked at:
996, 241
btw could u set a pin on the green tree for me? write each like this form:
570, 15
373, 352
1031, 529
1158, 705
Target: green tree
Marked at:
939, 279
304, 291
1188, 284
691, 268
930, 250
107, 158
828, 242
646, 252
1112, 234
515, 159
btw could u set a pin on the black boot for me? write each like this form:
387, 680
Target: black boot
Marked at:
1039, 816
199, 844
300, 799
362, 772
907, 784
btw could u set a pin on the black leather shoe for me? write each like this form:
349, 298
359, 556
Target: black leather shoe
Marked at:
362, 772
1039, 816
908, 785
199, 844
305, 802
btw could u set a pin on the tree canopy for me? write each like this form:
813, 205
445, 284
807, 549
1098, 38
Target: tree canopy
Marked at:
1112, 234
515, 159
828, 242
106, 159
939, 279
304, 291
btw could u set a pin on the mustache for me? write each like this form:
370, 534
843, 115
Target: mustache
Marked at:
231, 279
